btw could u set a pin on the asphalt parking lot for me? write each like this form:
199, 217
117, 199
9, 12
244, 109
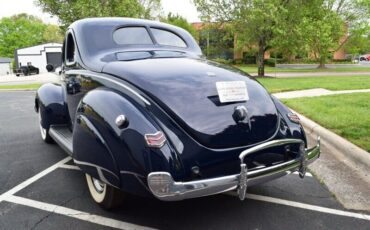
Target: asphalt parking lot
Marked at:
40, 188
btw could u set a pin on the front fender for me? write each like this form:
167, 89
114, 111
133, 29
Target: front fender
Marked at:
49, 101
104, 150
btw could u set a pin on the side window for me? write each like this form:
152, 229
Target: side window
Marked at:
64, 52
69, 50
164, 37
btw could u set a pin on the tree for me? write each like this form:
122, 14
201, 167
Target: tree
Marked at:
69, 11
289, 33
356, 15
152, 8
217, 41
52, 33
330, 24
323, 30
316, 26
359, 41
179, 21
254, 21
18, 31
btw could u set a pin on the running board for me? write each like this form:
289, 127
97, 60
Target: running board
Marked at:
63, 137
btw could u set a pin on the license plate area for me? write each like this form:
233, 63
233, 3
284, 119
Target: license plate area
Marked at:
232, 91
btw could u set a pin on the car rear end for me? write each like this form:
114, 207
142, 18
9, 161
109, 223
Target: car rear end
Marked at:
297, 157
223, 130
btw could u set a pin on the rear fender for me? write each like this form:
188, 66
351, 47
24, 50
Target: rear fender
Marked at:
49, 101
296, 130
118, 156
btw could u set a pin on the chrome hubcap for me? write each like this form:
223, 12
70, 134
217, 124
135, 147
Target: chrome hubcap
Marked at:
98, 185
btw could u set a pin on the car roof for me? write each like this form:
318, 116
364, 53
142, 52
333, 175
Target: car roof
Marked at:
91, 33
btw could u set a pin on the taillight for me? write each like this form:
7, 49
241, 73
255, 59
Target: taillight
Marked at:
293, 117
155, 140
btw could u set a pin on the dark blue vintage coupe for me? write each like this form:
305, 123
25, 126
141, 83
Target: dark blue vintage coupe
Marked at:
141, 111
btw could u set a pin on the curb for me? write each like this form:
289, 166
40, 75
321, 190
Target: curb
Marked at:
15, 90
345, 149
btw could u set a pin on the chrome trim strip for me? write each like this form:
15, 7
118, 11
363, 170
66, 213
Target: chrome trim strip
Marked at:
267, 145
162, 185
95, 166
101, 76
136, 175
131, 173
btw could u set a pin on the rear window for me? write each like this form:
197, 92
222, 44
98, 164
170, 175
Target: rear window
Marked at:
164, 37
132, 36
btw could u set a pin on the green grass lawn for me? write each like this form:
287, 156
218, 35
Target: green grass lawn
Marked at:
268, 69
25, 86
275, 85
348, 115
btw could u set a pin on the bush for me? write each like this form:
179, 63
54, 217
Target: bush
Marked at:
299, 61
238, 61
271, 62
249, 59
342, 61
223, 61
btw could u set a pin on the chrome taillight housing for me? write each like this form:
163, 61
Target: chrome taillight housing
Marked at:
155, 140
293, 118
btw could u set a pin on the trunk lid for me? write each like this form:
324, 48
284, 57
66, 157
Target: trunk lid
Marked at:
186, 89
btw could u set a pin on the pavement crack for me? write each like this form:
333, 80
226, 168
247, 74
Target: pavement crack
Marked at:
62, 204
41, 220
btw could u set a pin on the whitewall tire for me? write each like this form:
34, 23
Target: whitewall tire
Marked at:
44, 132
103, 194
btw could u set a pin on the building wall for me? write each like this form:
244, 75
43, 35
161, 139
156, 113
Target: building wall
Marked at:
340, 54
36, 55
5, 69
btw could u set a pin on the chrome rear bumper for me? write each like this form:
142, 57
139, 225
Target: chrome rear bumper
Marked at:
162, 185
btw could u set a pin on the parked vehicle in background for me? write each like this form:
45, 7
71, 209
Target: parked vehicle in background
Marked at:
26, 70
365, 58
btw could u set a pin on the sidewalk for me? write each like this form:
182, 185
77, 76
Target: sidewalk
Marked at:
313, 74
315, 93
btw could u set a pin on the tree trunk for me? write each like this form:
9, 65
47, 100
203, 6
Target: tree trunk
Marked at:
261, 58
322, 63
